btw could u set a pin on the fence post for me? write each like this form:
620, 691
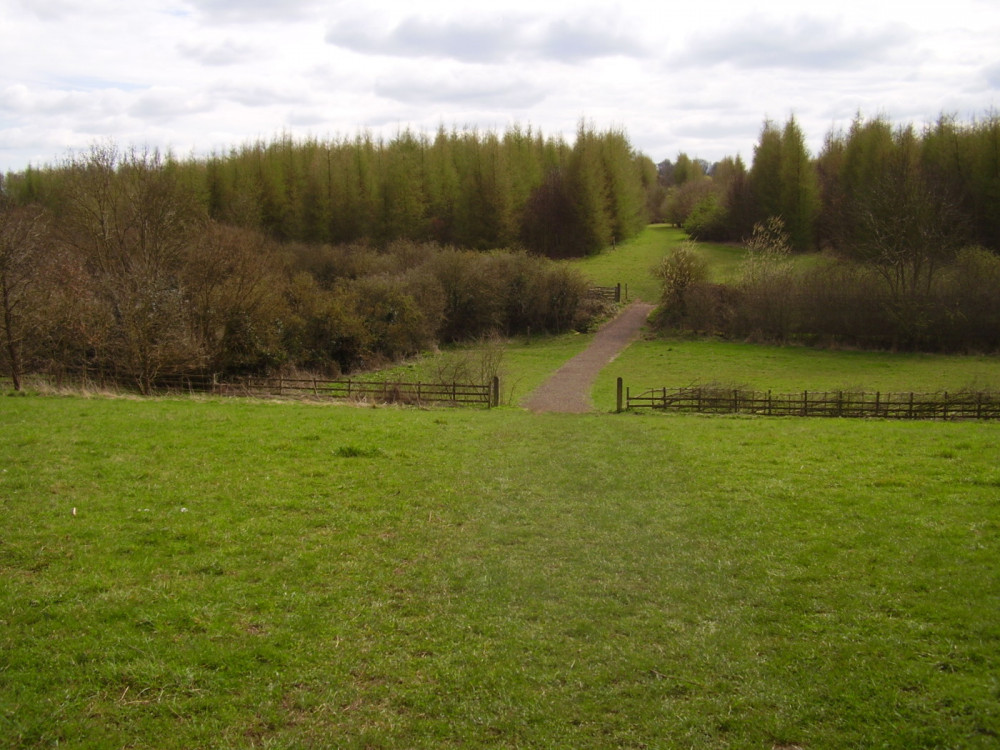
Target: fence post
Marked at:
495, 396
911, 404
619, 409
618, 292
805, 403
944, 406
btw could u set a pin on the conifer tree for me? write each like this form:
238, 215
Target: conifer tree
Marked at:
799, 189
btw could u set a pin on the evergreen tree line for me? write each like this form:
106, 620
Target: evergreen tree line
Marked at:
870, 180
121, 265
466, 189
908, 222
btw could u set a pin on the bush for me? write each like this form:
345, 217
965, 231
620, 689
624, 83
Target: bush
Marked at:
708, 220
679, 273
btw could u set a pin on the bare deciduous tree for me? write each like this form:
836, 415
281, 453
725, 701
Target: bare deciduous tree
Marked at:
131, 221
21, 233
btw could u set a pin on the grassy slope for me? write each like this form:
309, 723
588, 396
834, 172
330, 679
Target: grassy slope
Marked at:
631, 262
790, 369
524, 364
680, 362
247, 574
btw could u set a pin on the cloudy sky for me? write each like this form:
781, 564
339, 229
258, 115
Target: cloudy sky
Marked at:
701, 76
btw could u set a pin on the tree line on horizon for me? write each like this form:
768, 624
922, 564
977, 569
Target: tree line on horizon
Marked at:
469, 189
908, 222
332, 257
337, 255
947, 173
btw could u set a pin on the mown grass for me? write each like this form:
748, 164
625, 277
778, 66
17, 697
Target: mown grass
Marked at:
654, 363
523, 363
244, 574
630, 263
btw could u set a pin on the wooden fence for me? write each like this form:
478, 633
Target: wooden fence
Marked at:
608, 293
297, 387
963, 405
365, 390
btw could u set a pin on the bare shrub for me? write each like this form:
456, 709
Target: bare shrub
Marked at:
767, 284
679, 273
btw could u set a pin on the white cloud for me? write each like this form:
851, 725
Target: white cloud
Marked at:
229, 52
479, 39
480, 88
802, 43
247, 11
699, 77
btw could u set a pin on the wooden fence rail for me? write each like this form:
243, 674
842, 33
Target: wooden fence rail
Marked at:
608, 293
365, 390
963, 405
348, 389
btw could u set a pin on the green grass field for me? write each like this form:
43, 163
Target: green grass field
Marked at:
245, 574
183, 573
630, 263
522, 366
675, 363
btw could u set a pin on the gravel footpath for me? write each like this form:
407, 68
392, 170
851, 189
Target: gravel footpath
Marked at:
568, 389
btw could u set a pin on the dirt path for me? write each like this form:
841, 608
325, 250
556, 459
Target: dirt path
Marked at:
568, 389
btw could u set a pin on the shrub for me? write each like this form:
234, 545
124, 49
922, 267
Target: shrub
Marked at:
708, 220
679, 273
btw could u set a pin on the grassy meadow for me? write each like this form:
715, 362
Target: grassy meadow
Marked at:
630, 263
674, 363
199, 572
522, 364
211, 573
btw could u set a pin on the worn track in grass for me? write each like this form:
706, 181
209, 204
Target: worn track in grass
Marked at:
568, 389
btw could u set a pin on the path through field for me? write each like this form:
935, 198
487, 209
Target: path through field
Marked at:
568, 389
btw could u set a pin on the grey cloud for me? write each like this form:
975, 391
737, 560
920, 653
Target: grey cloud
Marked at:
804, 43
492, 40
255, 10
52, 10
227, 53
256, 95
93, 83
992, 75
581, 40
166, 104
19, 100
511, 94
